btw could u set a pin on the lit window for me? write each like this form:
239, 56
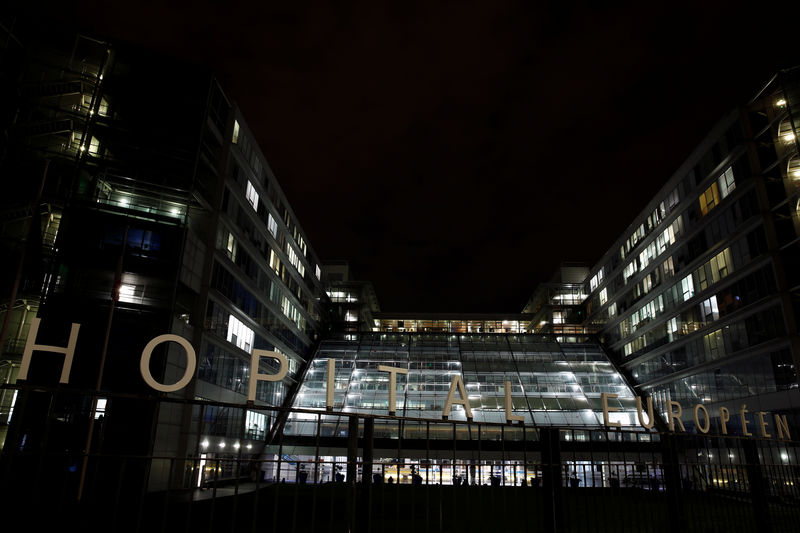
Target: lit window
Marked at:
256, 425
252, 196
793, 168
230, 247
721, 265
714, 344
672, 325
702, 276
13, 403
785, 131
596, 280
351, 316
240, 335
131, 293
687, 287
647, 284
709, 309
603, 296
101, 408
300, 242
102, 108
318, 272
274, 262
630, 270
235, 139
635, 345
291, 311
272, 226
92, 147
295, 260
669, 268
648, 253
726, 183
709, 199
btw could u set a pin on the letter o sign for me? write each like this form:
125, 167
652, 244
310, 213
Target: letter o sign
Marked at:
144, 363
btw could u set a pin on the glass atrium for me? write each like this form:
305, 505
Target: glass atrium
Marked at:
552, 383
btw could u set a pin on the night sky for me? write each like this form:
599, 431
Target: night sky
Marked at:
454, 152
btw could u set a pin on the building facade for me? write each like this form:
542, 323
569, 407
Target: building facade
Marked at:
133, 222
697, 300
136, 228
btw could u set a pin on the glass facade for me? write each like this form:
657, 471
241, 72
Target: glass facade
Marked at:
552, 383
420, 323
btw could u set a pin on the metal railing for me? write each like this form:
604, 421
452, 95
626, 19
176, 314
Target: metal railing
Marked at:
355, 472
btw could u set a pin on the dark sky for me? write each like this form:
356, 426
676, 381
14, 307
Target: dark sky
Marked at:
456, 152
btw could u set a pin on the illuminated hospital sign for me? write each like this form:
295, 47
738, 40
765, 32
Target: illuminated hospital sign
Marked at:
455, 396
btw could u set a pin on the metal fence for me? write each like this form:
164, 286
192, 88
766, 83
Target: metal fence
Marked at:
324, 471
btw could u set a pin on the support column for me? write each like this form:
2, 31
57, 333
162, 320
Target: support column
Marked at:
367, 449
551, 471
672, 482
758, 489
365, 500
352, 450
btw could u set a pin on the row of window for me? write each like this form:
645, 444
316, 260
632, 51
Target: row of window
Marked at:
242, 298
250, 154
721, 188
230, 328
252, 197
705, 275
654, 249
730, 299
653, 220
239, 256
720, 227
744, 292
717, 191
